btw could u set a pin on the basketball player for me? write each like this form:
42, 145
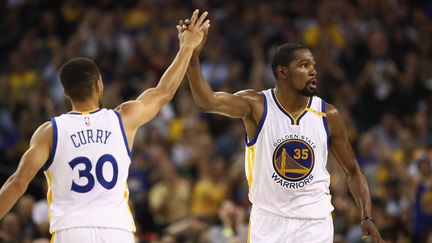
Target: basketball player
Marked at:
86, 153
289, 134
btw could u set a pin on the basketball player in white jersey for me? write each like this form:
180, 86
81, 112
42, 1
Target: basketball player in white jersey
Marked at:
86, 153
289, 130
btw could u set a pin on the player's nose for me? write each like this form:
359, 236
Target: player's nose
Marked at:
312, 72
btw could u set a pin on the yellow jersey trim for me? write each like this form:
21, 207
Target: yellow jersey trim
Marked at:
250, 164
84, 112
49, 193
249, 231
319, 113
126, 196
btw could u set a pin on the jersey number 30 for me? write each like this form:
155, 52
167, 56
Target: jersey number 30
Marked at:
86, 172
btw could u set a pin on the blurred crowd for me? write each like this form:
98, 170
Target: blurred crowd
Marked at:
187, 182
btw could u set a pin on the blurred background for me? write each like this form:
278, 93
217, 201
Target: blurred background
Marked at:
187, 181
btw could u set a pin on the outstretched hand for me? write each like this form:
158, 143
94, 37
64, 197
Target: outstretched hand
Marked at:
369, 228
192, 34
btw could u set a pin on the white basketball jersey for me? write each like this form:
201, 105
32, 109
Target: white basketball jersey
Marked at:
87, 172
286, 161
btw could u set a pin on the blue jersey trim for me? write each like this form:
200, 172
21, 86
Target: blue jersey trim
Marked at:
124, 134
54, 145
280, 107
260, 125
323, 109
294, 121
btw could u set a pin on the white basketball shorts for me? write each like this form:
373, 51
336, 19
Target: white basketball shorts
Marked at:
93, 235
266, 227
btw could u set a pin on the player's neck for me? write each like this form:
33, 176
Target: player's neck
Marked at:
291, 100
85, 106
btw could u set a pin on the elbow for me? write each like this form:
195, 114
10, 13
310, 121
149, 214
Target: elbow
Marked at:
206, 103
205, 107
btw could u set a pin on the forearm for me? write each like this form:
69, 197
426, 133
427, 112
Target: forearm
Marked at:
10, 192
360, 191
171, 79
201, 90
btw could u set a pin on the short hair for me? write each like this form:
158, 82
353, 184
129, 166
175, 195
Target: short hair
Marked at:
78, 77
284, 55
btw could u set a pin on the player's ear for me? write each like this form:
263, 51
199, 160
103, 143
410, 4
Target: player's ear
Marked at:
282, 72
99, 85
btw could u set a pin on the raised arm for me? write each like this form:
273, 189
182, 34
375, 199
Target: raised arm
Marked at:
344, 155
31, 162
233, 105
138, 112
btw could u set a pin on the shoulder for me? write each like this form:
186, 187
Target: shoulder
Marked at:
128, 107
335, 121
43, 134
331, 111
45, 129
251, 95
256, 101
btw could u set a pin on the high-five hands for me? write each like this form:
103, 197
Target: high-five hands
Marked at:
192, 34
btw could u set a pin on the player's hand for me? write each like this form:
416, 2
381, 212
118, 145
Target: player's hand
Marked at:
193, 33
184, 25
369, 228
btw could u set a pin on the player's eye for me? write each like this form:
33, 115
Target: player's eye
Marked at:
303, 65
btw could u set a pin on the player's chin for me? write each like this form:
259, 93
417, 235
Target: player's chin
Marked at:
309, 91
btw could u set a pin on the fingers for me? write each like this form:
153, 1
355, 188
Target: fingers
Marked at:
374, 237
198, 24
182, 26
201, 19
194, 18
365, 234
206, 32
205, 26
179, 29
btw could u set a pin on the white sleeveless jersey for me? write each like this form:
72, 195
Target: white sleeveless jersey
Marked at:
286, 161
87, 172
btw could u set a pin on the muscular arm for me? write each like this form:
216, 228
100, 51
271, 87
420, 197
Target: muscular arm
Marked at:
247, 104
344, 155
30, 163
138, 112
232, 105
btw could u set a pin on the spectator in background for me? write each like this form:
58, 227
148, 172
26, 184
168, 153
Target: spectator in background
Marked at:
24, 212
211, 190
233, 226
169, 198
377, 79
10, 231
